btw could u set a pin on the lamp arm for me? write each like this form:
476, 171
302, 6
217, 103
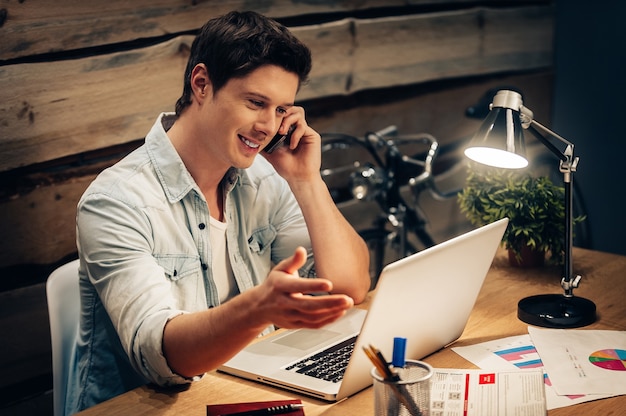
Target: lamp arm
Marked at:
567, 166
569, 281
539, 126
528, 122
555, 150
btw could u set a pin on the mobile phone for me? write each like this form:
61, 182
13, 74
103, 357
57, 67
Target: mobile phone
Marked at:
279, 139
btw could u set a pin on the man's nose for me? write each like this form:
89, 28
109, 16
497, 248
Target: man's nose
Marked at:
267, 123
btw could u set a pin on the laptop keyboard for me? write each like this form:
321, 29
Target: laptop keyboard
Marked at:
329, 364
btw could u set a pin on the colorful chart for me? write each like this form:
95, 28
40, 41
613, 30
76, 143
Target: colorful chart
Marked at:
609, 359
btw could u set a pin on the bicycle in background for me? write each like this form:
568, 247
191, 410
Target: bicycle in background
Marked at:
377, 170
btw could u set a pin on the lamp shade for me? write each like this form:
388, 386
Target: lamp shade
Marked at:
500, 140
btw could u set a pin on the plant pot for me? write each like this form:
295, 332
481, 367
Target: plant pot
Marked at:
529, 257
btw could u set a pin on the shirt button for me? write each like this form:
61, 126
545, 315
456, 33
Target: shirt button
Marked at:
204, 266
201, 226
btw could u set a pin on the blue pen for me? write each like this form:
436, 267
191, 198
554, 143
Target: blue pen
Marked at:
398, 361
399, 351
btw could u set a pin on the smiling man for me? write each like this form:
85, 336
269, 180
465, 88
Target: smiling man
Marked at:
192, 245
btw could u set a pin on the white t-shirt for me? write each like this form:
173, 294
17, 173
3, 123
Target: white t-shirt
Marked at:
222, 270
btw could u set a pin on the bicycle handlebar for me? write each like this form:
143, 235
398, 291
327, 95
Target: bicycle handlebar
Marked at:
387, 131
373, 142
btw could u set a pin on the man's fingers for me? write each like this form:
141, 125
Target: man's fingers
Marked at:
313, 323
322, 303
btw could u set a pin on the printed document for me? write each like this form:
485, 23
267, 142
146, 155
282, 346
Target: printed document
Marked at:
457, 392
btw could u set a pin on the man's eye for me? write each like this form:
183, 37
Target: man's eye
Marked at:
256, 103
281, 111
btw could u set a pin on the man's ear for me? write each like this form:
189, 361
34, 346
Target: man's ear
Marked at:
200, 82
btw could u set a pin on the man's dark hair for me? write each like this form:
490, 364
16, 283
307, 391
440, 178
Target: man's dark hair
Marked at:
237, 43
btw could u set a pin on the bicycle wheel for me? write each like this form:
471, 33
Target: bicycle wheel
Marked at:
384, 248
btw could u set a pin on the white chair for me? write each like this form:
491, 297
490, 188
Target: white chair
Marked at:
63, 297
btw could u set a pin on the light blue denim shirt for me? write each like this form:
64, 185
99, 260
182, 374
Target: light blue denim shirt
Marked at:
142, 235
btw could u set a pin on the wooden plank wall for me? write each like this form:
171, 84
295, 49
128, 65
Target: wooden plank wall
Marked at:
82, 82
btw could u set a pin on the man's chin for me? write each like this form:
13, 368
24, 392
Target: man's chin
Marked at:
245, 163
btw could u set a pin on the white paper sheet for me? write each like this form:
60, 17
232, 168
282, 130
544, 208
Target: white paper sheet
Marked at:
583, 361
518, 352
456, 392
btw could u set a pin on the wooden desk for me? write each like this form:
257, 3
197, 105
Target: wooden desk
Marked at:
493, 317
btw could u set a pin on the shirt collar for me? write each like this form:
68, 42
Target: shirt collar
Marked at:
171, 171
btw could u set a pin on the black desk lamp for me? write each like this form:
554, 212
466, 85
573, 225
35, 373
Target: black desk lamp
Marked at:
500, 142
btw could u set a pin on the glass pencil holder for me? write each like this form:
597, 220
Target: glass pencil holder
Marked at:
408, 396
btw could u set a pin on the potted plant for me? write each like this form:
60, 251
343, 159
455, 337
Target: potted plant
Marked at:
534, 205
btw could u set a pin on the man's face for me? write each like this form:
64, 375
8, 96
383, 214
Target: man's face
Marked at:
242, 117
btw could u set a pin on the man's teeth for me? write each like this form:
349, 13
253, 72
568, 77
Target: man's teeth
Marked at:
249, 143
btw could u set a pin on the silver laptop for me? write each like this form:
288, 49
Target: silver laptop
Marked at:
426, 298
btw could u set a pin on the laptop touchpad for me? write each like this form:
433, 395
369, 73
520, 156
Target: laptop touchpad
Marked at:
305, 339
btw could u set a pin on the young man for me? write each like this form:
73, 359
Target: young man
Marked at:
191, 246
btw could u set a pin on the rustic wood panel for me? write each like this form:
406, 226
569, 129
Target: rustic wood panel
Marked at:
53, 109
49, 110
40, 226
360, 54
31, 27
421, 48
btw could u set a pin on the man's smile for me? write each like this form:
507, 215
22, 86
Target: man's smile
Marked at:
249, 143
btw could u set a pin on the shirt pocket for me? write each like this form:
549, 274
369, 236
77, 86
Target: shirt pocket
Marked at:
261, 239
177, 267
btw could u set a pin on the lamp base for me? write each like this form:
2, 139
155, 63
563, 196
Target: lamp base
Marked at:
556, 311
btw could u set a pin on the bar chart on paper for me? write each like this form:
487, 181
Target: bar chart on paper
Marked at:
524, 356
610, 359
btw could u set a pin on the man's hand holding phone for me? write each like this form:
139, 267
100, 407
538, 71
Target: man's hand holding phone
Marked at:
296, 155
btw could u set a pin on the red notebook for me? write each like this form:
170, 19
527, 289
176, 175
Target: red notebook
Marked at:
225, 409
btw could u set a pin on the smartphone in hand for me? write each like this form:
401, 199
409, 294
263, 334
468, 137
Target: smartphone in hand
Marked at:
279, 139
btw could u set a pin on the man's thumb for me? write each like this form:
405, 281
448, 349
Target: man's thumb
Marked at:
292, 264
